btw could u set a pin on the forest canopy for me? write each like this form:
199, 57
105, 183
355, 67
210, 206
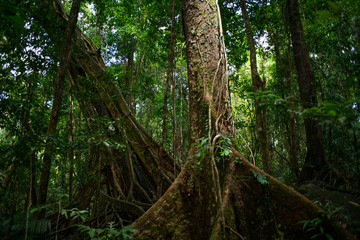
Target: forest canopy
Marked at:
180, 119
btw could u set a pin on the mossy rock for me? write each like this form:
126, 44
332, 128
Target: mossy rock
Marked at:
344, 206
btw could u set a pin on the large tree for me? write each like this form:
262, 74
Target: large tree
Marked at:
218, 194
227, 198
136, 175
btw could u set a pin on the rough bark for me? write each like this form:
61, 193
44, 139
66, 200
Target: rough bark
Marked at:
194, 198
206, 199
258, 85
122, 181
88, 62
196, 206
58, 92
315, 164
168, 77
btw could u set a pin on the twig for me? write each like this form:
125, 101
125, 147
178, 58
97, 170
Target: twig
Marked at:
235, 232
252, 155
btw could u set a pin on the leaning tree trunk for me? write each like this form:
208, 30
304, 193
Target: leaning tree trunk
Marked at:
131, 182
315, 164
88, 62
208, 199
230, 198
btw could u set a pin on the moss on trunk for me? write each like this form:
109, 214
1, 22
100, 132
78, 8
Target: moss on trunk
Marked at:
253, 210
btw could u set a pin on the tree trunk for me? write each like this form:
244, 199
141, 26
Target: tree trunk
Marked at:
71, 150
175, 143
284, 69
207, 201
168, 76
129, 75
258, 85
181, 144
315, 164
110, 101
58, 91
191, 205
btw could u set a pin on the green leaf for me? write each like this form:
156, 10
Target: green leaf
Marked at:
262, 179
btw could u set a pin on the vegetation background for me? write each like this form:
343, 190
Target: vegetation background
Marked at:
82, 151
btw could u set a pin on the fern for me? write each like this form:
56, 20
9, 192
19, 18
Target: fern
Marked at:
108, 233
262, 179
39, 226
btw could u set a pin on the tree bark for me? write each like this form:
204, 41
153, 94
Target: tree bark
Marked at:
58, 92
194, 198
175, 137
315, 164
89, 63
196, 206
258, 85
71, 150
129, 75
168, 76
207, 198
181, 144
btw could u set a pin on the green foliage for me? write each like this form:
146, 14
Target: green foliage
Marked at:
40, 226
10, 13
262, 179
75, 213
202, 147
224, 145
29, 65
315, 226
108, 233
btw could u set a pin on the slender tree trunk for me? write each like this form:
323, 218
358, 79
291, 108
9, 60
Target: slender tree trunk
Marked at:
149, 111
181, 97
71, 150
129, 75
58, 92
315, 164
258, 85
168, 76
285, 70
175, 146
136, 81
